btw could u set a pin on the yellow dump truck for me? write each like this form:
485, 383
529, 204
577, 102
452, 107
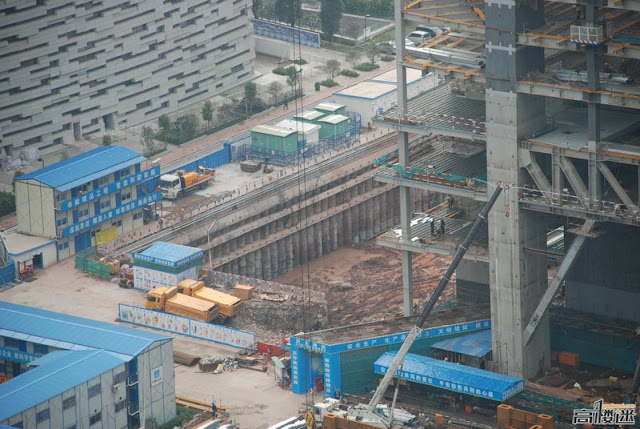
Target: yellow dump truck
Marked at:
228, 305
168, 299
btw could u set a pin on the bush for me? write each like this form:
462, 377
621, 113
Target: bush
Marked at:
367, 67
329, 83
349, 73
107, 140
183, 414
283, 71
387, 58
317, 85
7, 203
300, 61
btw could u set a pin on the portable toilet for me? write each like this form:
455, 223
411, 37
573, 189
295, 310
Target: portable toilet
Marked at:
308, 132
331, 108
278, 144
334, 126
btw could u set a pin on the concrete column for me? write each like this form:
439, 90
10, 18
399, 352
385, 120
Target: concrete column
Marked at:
282, 257
288, 244
362, 228
234, 266
257, 261
311, 240
369, 218
242, 265
233, 245
338, 228
274, 260
355, 223
266, 263
347, 225
296, 245
317, 228
326, 237
333, 231
376, 215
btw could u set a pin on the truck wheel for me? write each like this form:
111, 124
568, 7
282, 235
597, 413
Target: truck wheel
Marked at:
219, 320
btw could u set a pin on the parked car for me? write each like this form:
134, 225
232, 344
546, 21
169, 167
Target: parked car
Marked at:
433, 31
419, 37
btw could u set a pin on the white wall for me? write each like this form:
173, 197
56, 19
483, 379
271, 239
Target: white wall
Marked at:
273, 48
157, 398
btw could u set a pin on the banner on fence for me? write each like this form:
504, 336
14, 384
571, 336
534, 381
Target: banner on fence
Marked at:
185, 326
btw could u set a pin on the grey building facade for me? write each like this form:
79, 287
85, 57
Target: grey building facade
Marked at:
70, 69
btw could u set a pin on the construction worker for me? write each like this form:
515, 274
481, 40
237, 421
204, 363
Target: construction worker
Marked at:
450, 202
214, 408
441, 226
433, 227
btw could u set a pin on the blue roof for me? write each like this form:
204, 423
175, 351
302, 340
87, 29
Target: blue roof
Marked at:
73, 333
84, 168
62, 371
451, 376
174, 254
477, 344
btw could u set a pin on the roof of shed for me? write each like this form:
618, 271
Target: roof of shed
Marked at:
477, 344
272, 130
310, 115
60, 371
451, 376
169, 251
84, 168
334, 119
72, 333
330, 107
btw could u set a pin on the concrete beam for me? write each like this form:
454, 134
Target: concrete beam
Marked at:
619, 190
426, 128
476, 195
566, 264
566, 92
549, 41
529, 162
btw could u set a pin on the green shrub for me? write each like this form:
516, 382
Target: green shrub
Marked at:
367, 67
283, 71
387, 58
317, 85
7, 203
349, 73
300, 61
329, 83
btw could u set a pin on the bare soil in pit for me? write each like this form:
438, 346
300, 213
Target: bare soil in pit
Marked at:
363, 283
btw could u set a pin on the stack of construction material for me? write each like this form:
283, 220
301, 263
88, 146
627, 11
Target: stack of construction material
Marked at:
243, 292
509, 417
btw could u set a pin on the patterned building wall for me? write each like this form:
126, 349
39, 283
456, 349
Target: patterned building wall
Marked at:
70, 69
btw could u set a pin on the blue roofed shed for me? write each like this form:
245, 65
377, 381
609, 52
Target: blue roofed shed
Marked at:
454, 377
73, 333
165, 264
470, 349
84, 168
59, 372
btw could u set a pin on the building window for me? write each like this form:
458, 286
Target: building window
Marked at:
42, 415
95, 418
63, 246
40, 349
125, 196
81, 189
11, 342
103, 181
61, 222
118, 223
137, 215
83, 213
121, 405
93, 390
69, 402
60, 196
105, 205
119, 377
124, 172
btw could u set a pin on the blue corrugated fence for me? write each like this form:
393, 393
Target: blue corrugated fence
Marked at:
8, 273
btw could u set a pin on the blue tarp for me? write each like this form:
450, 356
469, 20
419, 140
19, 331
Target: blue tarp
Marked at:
451, 376
477, 344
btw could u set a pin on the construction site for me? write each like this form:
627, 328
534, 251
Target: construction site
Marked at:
467, 262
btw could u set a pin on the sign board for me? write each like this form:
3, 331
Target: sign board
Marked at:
156, 376
146, 278
185, 326
17, 355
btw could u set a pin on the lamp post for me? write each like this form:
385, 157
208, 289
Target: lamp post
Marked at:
209, 244
366, 35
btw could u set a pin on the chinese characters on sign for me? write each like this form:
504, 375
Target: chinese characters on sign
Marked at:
602, 414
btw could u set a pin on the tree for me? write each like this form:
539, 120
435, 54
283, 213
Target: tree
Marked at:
107, 140
331, 68
18, 173
7, 203
207, 112
274, 89
165, 124
292, 80
353, 56
288, 11
330, 16
250, 93
255, 8
147, 142
188, 126
371, 51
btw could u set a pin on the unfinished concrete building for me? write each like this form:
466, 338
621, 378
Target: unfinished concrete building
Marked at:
543, 97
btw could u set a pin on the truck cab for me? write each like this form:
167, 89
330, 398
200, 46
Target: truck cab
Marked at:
157, 297
170, 186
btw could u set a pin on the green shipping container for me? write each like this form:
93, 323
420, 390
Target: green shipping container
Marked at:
268, 138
